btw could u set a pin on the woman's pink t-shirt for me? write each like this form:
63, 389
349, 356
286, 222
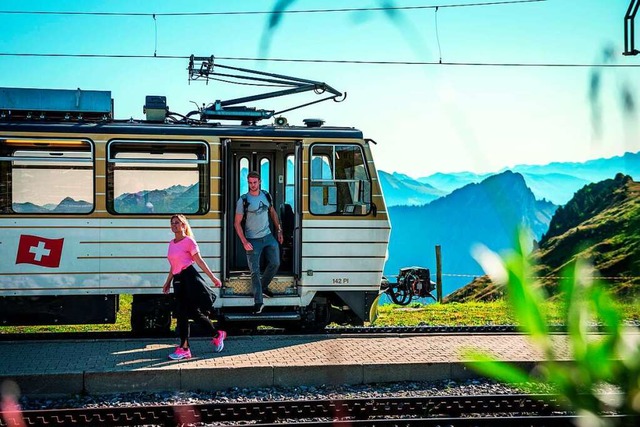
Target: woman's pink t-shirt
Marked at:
181, 254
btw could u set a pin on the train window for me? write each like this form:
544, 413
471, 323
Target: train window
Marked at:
340, 183
290, 182
244, 171
157, 177
46, 176
265, 174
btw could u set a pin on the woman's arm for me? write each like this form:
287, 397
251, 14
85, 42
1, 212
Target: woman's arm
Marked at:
167, 283
203, 265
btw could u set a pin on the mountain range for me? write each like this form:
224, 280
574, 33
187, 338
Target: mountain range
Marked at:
67, 205
556, 182
177, 198
458, 210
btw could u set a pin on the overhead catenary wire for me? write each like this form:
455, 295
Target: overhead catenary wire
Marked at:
265, 12
332, 61
300, 60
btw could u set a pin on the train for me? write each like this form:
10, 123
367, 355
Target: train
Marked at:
85, 203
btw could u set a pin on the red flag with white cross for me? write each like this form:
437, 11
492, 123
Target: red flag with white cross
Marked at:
39, 251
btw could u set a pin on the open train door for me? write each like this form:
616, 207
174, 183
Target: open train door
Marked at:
279, 167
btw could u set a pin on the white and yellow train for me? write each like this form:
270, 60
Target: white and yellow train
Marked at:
85, 202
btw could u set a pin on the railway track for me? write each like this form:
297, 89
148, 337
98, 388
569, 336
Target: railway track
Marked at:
494, 410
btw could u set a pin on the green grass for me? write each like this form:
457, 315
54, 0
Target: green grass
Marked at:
473, 314
452, 314
122, 323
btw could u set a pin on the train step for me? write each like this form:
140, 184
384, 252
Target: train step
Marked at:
240, 317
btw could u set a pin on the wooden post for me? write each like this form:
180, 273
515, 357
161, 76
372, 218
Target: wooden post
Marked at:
438, 274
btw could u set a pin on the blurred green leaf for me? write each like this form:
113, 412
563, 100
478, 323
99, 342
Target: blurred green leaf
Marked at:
576, 315
488, 366
527, 301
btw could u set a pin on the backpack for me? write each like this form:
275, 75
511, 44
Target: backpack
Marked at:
245, 205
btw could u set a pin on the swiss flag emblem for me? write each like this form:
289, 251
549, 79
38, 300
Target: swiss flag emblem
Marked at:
39, 251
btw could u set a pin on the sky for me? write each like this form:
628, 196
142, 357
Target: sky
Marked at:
477, 88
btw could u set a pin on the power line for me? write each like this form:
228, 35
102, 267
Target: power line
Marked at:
362, 9
332, 61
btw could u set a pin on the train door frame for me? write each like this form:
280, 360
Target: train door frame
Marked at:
277, 153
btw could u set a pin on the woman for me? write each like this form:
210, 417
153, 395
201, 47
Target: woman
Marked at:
194, 298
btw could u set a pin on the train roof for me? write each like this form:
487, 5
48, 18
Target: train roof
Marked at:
211, 129
81, 111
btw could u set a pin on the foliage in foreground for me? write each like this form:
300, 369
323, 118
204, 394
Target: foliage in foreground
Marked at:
612, 358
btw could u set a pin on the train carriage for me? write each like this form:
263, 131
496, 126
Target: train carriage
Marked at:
85, 202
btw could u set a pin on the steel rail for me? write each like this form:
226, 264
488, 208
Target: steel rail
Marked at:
511, 410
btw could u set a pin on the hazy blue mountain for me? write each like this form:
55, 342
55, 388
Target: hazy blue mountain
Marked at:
69, 205
174, 199
557, 188
28, 207
488, 212
448, 182
177, 198
592, 171
556, 182
400, 189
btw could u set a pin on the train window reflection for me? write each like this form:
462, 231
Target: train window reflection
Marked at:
340, 183
157, 177
39, 176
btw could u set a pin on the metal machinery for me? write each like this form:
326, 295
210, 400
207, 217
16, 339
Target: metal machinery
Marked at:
412, 283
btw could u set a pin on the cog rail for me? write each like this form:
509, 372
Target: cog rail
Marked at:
481, 410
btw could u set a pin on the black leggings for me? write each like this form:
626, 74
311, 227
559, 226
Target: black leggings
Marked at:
190, 303
198, 317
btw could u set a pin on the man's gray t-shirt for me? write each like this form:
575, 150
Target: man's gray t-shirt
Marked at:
257, 223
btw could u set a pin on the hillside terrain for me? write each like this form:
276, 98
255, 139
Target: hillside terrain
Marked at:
601, 223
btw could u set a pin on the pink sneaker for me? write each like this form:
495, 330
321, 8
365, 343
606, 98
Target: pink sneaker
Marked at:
218, 341
180, 354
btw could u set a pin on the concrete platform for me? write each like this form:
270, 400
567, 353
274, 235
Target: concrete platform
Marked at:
43, 368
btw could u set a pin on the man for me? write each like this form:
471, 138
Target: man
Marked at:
255, 208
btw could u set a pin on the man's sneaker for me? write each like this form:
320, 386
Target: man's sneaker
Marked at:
180, 354
218, 341
257, 308
267, 293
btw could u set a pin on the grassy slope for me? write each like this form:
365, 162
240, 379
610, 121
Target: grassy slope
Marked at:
610, 239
